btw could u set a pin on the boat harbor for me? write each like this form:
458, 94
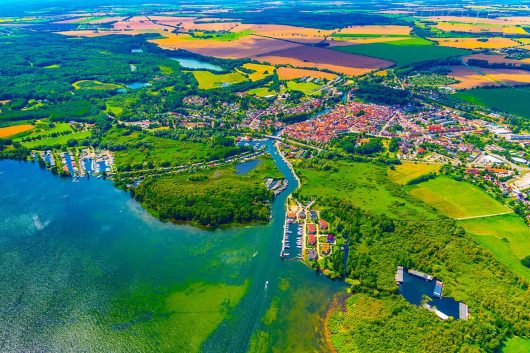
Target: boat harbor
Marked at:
77, 162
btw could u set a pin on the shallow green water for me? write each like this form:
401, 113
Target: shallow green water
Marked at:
84, 268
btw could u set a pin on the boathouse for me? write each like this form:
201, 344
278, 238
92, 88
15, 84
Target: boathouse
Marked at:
438, 288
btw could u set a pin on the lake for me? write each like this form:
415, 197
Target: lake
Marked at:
188, 63
85, 268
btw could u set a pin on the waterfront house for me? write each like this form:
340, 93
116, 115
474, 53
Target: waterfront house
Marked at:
312, 255
311, 228
311, 240
301, 215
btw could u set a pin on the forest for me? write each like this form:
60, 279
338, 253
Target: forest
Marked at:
374, 243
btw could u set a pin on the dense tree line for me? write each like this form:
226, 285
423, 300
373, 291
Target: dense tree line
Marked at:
206, 199
376, 93
13, 150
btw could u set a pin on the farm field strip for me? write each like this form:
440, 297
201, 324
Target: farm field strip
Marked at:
476, 43
289, 73
508, 99
471, 77
14, 130
404, 52
313, 57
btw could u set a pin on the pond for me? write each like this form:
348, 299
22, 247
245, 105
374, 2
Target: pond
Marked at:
414, 289
245, 167
189, 63
137, 85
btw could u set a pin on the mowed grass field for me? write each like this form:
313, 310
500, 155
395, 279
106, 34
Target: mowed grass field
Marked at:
408, 171
13, 130
209, 80
457, 199
404, 52
511, 100
507, 237
363, 184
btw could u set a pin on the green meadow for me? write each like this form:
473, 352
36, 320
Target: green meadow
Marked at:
404, 52
457, 199
511, 100
506, 236
365, 185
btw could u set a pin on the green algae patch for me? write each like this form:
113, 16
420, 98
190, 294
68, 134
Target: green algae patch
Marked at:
272, 314
198, 310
